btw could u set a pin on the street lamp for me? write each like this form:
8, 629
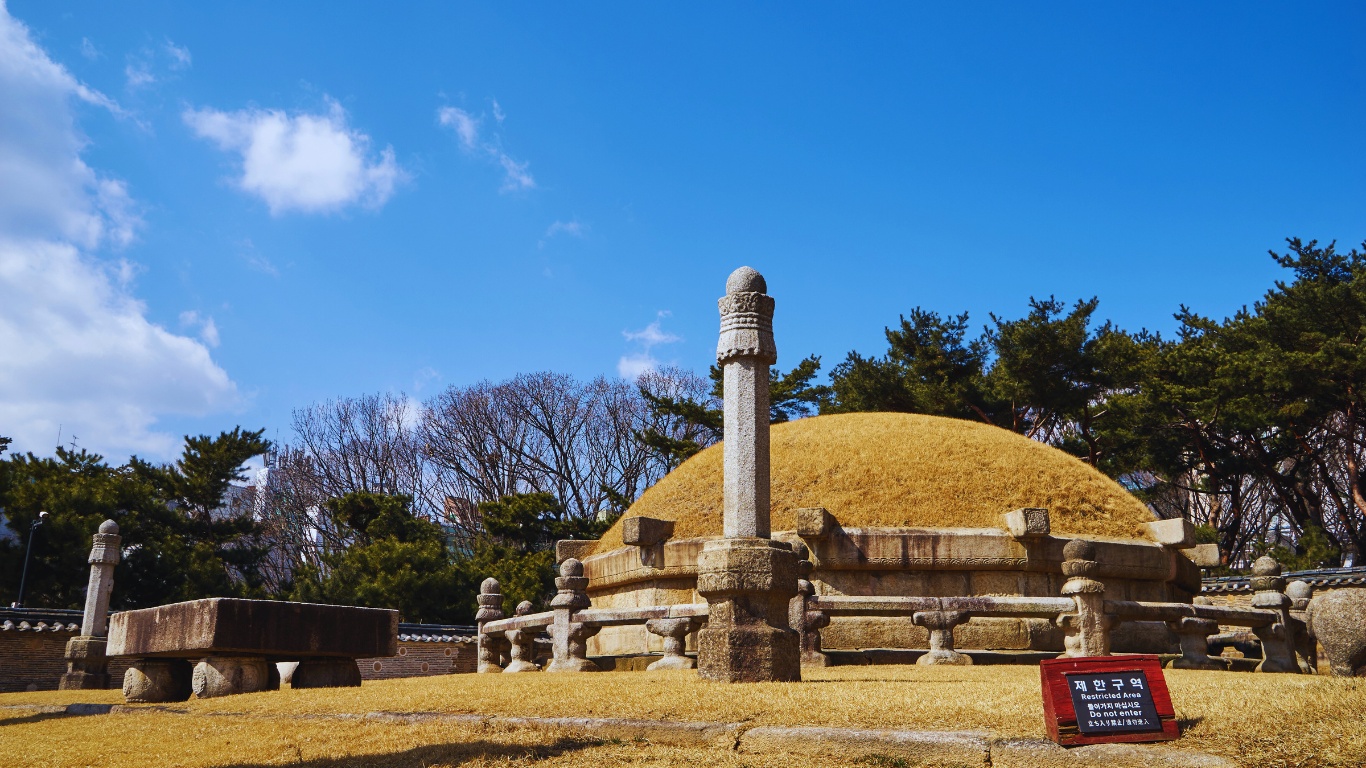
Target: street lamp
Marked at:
28, 552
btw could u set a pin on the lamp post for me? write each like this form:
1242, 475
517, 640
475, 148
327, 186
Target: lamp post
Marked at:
28, 553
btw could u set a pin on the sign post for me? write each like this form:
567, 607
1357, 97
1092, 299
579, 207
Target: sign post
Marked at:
1107, 699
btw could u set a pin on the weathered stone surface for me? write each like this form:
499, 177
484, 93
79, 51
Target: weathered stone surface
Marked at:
153, 681
1037, 753
266, 628
575, 548
815, 522
645, 531
228, 675
1203, 555
748, 584
87, 666
675, 633
1177, 533
1027, 523
932, 747
325, 673
1338, 620
744, 351
569, 638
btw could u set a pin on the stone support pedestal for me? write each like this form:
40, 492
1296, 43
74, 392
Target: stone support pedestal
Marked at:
1086, 632
522, 645
747, 584
675, 633
156, 681
1278, 639
87, 667
941, 624
807, 623
230, 675
1194, 636
569, 638
324, 673
490, 609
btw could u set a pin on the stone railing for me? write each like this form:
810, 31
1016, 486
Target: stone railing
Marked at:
1085, 617
508, 644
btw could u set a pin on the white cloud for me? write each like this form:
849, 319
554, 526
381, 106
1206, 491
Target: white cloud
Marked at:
208, 329
302, 162
76, 347
180, 55
571, 228
138, 75
88, 49
631, 366
467, 129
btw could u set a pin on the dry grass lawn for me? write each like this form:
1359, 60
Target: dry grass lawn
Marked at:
901, 470
1259, 720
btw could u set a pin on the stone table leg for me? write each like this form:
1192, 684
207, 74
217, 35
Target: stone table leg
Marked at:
228, 675
326, 673
155, 681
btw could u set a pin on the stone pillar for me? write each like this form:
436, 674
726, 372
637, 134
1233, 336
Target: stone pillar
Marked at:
156, 681
490, 609
522, 645
1086, 632
1194, 633
1306, 645
228, 675
1278, 638
941, 624
86, 665
746, 578
675, 633
569, 638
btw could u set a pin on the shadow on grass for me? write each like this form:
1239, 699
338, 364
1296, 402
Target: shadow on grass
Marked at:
37, 717
1186, 723
436, 754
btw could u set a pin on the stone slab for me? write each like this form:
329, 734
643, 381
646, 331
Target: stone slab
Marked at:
275, 630
1038, 753
932, 747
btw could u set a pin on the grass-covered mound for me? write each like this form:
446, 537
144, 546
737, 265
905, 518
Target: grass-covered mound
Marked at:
901, 470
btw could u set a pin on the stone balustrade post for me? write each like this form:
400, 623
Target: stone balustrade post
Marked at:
522, 645
87, 667
1087, 631
747, 578
1194, 633
675, 633
490, 609
941, 624
808, 623
569, 638
1306, 645
1278, 638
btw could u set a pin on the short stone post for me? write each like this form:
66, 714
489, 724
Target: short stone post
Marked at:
1194, 632
806, 622
490, 609
941, 624
230, 675
1306, 645
1278, 638
746, 577
157, 681
1086, 632
87, 667
569, 638
522, 645
675, 633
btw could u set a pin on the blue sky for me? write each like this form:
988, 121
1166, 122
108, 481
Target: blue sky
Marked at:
210, 216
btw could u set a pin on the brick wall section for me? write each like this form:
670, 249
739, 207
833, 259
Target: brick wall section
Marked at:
35, 661
417, 658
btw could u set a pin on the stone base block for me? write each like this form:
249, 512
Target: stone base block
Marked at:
326, 673
519, 665
748, 654
154, 681
87, 668
672, 662
228, 675
932, 658
572, 665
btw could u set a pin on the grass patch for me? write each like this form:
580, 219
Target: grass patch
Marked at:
1259, 720
901, 470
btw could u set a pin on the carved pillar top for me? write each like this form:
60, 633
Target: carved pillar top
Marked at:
746, 319
106, 549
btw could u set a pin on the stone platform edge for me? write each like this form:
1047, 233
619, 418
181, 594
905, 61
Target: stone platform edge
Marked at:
966, 748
